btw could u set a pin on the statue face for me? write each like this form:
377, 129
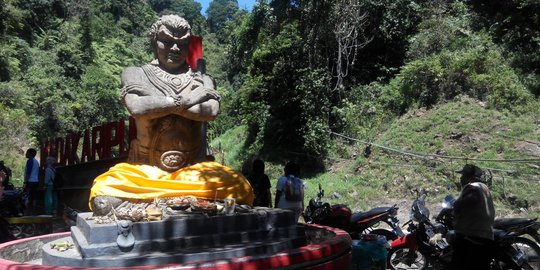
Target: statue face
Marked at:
172, 48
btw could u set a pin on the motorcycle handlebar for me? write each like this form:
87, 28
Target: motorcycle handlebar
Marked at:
407, 223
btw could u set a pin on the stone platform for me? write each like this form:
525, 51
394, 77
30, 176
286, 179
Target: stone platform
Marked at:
179, 240
327, 249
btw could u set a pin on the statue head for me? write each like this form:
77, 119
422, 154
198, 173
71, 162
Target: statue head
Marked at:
169, 37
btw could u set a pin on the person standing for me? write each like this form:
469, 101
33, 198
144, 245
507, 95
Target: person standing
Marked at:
261, 185
31, 179
290, 190
474, 215
50, 196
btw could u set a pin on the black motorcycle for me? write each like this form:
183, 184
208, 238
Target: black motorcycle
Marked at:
521, 229
429, 243
340, 216
12, 203
5, 232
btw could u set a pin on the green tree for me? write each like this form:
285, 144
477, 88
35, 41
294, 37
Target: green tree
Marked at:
86, 38
514, 24
188, 9
11, 17
219, 13
448, 58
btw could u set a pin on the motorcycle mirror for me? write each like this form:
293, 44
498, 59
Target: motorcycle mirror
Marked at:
448, 201
320, 194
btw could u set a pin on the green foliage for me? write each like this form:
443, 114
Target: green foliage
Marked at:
448, 28
514, 25
389, 25
133, 16
314, 111
14, 57
188, 9
229, 147
39, 14
447, 58
480, 72
275, 91
366, 109
87, 38
220, 12
13, 94
11, 18
15, 137
243, 41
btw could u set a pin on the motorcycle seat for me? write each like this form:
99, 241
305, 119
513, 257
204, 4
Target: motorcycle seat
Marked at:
512, 223
369, 214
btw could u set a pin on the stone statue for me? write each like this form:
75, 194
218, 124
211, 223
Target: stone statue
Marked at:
170, 102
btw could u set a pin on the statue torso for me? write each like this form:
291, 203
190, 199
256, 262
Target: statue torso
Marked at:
172, 141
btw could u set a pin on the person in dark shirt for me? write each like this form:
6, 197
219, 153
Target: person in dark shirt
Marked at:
7, 172
261, 185
474, 215
31, 180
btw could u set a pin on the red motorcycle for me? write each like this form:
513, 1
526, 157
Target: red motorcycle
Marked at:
340, 216
430, 243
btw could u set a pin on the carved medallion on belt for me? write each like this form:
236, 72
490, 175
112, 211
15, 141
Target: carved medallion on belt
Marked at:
173, 160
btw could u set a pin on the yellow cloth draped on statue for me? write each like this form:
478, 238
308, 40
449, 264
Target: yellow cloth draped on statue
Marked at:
208, 180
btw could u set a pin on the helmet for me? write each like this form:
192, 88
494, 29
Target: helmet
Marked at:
471, 173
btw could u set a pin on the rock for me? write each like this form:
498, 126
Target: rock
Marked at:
102, 205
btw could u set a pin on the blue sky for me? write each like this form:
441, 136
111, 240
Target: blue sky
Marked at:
244, 4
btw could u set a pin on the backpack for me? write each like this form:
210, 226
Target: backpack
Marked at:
294, 190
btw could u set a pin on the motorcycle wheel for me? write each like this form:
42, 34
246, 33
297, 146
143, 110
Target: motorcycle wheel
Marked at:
530, 248
16, 231
403, 258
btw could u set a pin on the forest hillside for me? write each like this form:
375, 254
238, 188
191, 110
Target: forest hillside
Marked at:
372, 98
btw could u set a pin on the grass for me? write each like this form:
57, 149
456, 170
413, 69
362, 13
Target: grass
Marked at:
462, 128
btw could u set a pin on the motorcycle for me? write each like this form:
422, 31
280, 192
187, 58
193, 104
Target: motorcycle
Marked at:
429, 243
5, 233
340, 216
523, 230
12, 203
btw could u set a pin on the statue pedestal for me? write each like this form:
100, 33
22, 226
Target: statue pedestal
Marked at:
180, 239
327, 248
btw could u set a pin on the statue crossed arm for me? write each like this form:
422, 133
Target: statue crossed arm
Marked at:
199, 104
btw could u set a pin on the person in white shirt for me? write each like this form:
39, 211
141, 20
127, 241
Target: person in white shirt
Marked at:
288, 183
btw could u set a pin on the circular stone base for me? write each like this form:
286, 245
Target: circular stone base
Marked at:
327, 248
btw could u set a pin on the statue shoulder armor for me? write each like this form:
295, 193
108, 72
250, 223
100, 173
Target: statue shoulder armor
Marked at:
132, 74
